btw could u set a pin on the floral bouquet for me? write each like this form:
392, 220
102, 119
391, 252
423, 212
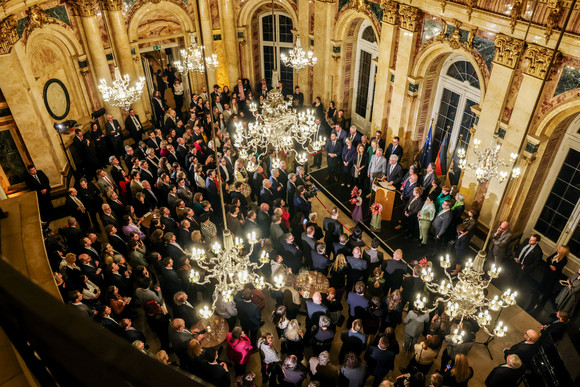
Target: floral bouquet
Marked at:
354, 195
376, 208
423, 262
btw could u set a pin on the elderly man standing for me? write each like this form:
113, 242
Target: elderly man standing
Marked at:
499, 243
115, 135
377, 167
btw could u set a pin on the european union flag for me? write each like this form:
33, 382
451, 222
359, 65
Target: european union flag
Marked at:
427, 155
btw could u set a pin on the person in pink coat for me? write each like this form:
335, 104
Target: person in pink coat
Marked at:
239, 349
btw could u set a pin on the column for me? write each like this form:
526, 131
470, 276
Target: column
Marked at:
324, 12
230, 40
534, 74
97, 58
387, 44
507, 54
122, 48
409, 22
207, 38
304, 32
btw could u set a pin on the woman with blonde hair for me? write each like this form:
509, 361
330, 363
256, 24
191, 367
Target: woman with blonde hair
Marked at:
394, 314
556, 263
459, 374
337, 275
294, 339
195, 362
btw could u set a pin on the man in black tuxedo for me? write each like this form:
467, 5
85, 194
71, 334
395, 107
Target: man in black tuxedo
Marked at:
297, 98
266, 195
172, 283
37, 181
214, 372
91, 269
129, 332
134, 126
333, 151
525, 349
115, 135
146, 173
108, 216
150, 195
354, 136
237, 194
170, 122
166, 220
394, 148
333, 218
380, 141
184, 310
116, 170
394, 173
558, 327
257, 179
263, 220
115, 240
240, 91
428, 179
153, 142
290, 191
72, 234
116, 205
89, 195
290, 252
507, 374
529, 256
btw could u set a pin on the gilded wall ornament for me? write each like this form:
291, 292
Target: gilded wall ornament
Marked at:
83, 7
470, 5
358, 5
141, 3
8, 34
410, 17
36, 17
390, 10
539, 60
508, 50
556, 8
112, 5
443, 5
515, 13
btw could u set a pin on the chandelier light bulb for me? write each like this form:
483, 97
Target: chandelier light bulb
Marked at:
205, 312
457, 337
265, 257
516, 173
120, 93
297, 58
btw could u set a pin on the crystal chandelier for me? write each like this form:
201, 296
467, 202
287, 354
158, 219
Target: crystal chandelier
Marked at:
229, 269
465, 296
193, 60
280, 128
298, 58
488, 162
121, 93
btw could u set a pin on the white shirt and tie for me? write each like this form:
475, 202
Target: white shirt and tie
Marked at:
524, 253
78, 203
136, 122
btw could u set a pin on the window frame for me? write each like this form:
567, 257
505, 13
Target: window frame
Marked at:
280, 46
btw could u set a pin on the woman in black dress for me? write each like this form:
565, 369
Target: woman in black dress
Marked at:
555, 264
100, 142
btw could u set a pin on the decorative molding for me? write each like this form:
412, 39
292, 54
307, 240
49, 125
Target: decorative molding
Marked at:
83, 8
140, 3
539, 60
556, 8
470, 5
112, 5
8, 34
390, 11
410, 17
443, 5
515, 13
508, 50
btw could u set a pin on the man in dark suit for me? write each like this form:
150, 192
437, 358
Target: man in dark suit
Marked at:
394, 173
116, 240
91, 269
529, 256
116, 170
507, 374
263, 220
297, 98
116, 205
180, 336
153, 142
147, 173
37, 181
89, 196
249, 314
266, 195
428, 179
380, 360
276, 187
134, 126
290, 252
441, 222
115, 136
380, 141
290, 191
394, 148
74, 207
172, 283
129, 332
109, 217
354, 136
333, 151
238, 195
333, 219
122, 282
150, 195
525, 349
170, 122
257, 179
214, 372
166, 220
499, 243
240, 91
184, 310
72, 234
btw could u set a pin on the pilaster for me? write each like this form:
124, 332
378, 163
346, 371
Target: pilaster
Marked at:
507, 55
409, 18
324, 12
207, 34
230, 40
304, 32
387, 44
122, 48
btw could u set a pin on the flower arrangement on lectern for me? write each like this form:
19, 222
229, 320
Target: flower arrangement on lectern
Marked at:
229, 269
465, 298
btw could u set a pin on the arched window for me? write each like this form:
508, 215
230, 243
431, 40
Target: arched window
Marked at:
364, 76
284, 42
457, 92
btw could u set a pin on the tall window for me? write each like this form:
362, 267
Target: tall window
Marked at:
284, 41
364, 76
458, 91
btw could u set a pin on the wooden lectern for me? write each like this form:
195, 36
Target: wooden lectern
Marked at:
386, 197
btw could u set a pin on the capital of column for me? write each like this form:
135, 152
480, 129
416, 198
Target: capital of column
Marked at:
390, 11
112, 5
410, 17
508, 50
8, 34
538, 60
83, 7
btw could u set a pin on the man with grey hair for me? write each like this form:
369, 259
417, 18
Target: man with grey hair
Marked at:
266, 194
290, 191
276, 232
394, 172
499, 244
291, 253
377, 167
507, 374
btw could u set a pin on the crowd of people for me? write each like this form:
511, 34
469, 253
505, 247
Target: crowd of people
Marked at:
140, 209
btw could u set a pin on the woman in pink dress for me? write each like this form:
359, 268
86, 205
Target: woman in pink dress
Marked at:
357, 215
239, 349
